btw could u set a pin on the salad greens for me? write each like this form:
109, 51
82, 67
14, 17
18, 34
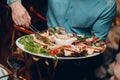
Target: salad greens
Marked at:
31, 46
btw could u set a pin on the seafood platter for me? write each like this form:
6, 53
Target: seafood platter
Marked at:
58, 43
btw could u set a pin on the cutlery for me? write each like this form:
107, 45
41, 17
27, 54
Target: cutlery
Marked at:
38, 35
5, 76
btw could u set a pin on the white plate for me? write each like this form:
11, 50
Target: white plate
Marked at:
3, 72
42, 55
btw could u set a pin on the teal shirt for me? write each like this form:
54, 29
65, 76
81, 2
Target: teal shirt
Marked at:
11, 1
82, 16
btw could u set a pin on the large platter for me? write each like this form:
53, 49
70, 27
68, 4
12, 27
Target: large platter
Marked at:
52, 57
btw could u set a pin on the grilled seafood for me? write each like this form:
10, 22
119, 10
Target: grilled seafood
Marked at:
63, 44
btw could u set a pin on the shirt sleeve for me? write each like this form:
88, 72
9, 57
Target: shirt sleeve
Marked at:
103, 23
11, 1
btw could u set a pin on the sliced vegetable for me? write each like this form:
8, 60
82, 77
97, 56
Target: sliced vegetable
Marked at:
53, 52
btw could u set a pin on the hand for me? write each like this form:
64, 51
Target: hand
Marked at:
20, 15
116, 70
114, 37
113, 78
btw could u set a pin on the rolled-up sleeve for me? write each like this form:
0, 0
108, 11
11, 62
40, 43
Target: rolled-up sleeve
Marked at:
104, 22
11, 1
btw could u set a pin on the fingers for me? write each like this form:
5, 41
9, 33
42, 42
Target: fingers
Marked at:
22, 20
27, 20
113, 78
20, 15
117, 70
19, 21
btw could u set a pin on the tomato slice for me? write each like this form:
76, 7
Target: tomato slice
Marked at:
53, 52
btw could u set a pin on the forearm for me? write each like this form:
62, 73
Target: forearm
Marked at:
9, 2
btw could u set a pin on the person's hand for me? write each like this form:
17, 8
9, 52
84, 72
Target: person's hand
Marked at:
116, 71
20, 15
114, 37
113, 78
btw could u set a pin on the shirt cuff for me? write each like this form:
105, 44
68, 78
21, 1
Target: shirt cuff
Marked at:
9, 2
